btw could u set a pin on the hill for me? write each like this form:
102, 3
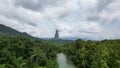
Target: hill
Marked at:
8, 31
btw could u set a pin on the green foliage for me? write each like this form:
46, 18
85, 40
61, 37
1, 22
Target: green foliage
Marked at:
18, 62
3, 66
17, 52
94, 54
51, 64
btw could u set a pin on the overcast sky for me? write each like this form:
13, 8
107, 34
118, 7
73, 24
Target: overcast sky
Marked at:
95, 19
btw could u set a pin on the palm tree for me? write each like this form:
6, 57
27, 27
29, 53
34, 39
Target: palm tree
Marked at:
38, 57
18, 62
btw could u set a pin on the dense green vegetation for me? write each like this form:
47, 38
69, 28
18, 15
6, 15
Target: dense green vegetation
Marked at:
19, 52
58, 41
94, 54
16, 52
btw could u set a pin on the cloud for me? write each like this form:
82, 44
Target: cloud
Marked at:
38, 4
74, 18
105, 12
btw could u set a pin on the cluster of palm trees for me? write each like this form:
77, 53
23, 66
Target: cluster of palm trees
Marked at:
17, 52
94, 54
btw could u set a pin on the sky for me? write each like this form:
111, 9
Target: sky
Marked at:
93, 19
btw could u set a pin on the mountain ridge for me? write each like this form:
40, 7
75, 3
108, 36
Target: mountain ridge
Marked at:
8, 31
